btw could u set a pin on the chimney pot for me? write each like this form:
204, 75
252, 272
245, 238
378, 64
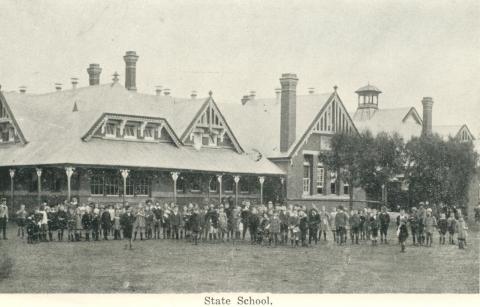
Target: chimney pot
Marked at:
130, 59
115, 78
74, 82
23, 89
245, 99
427, 103
193, 95
58, 86
288, 110
94, 72
166, 92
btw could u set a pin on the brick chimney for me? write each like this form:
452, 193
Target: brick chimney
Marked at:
288, 111
94, 72
131, 59
427, 103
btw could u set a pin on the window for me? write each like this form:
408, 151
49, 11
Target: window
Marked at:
213, 184
205, 140
244, 185
96, 185
196, 183
320, 178
111, 185
130, 131
228, 184
346, 189
148, 134
306, 179
181, 184
142, 186
110, 130
129, 187
333, 183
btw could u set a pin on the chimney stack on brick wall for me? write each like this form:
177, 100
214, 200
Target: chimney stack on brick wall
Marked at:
288, 111
427, 103
94, 72
131, 59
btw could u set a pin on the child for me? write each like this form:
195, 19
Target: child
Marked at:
71, 224
303, 225
461, 232
21, 221
31, 230
293, 222
402, 231
149, 222
62, 220
95, 224
195, 225
253, 224
384, 218
87, 223
222, 223
442, 228
127, 220
430, 224
413, 221
313, 225
324, 223
116, 225
354, 222
140, 222
275, 228
451, 226
374, 226
341, 224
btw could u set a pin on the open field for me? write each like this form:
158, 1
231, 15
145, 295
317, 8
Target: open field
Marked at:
165, 266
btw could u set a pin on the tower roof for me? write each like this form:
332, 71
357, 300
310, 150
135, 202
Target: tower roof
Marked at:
368, 88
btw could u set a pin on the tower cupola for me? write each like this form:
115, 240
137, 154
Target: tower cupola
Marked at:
368, 97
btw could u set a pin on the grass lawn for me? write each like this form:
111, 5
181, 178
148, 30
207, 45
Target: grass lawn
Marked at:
164, 266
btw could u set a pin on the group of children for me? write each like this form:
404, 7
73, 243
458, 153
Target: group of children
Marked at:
266, 224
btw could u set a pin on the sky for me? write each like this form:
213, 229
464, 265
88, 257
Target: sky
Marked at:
408, 49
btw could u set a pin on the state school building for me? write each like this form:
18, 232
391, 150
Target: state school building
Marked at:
110, 144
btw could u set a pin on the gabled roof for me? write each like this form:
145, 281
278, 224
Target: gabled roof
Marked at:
55, 132
210, 102
446, 131
257, 123
11, 116
391, 120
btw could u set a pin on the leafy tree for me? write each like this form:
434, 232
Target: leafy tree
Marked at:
439, 171
344, 158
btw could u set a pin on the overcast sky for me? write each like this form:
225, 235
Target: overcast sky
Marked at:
409, 49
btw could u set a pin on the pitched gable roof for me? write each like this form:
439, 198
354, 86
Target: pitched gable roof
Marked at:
55, 132
391, 120
4, 104
208, 105
257, 123
453, 131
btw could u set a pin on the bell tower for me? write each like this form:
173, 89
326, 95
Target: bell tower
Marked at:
367, 101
